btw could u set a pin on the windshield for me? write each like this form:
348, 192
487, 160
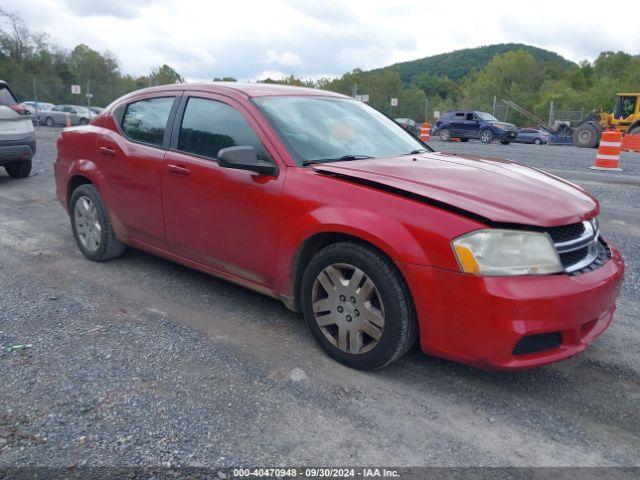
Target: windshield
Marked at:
487, 117
327, 129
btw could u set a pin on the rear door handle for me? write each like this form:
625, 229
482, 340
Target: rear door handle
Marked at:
107, 151
178, 170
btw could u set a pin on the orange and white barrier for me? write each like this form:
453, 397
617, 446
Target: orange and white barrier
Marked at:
631, 143
425, 132
609, 150
68, 120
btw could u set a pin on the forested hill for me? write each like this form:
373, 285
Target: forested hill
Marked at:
459, 63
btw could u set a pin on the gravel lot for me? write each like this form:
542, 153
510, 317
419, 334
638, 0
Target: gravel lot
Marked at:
141, 362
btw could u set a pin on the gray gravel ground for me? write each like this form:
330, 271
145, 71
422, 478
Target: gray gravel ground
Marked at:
141, 362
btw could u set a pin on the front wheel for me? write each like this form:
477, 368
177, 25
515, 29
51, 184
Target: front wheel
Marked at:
19, 170
49, 122
486, 136
91, 226
586, 136
445, 134
537, 141
84, 121
357, 306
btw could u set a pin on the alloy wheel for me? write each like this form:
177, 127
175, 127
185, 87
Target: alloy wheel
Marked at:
348, 308
87, 224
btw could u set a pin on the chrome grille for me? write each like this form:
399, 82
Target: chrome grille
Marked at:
578, 244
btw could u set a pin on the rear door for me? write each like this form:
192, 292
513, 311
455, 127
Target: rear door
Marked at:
132, 161
457, 123
224, 218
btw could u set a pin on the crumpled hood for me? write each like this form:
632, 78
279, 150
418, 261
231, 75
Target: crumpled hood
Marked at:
500, 191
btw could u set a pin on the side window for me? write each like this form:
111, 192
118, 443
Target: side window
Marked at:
208, 126
146, 120
470, 116
459, 116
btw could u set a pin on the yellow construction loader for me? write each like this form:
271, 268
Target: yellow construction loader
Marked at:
625, 118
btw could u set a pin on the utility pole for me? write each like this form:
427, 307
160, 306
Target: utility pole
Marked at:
426, 110
35, 97
88, 94
551, 119
494, 106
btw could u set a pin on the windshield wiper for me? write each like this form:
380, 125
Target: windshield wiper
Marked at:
344, 158
417, 151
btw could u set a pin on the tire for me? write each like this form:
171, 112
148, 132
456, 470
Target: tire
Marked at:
88, 200
505, 142
486, 136
537, 141
49, 122
586, 136
387, 302
19, 170
445, 134
84, 121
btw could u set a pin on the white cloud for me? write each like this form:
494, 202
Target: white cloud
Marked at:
286, 59
203, 39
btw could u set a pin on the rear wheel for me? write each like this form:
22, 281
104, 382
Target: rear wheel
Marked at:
49, 122
537, 141
586, 136
486, 136
91, 226
19, 170
84, 121
357, 306
445, 134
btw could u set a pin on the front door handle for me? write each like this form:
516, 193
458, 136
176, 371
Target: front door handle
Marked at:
107, 151
178, 170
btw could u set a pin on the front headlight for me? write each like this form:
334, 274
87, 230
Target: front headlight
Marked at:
506, 252
499, 126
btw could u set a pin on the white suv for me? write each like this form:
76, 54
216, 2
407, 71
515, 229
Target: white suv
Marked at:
17, 137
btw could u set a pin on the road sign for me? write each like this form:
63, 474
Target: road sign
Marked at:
394, 102
365, 98
75, 89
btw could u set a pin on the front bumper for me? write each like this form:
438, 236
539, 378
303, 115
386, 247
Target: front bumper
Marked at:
506, 135
480, 320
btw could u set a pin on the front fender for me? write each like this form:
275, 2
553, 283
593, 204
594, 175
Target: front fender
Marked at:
387, 234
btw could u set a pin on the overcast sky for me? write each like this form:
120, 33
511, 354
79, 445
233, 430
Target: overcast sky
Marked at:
253, 39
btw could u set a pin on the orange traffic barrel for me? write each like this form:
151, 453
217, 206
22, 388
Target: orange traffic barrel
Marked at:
68, 120
631, 143
609, 149
425, 132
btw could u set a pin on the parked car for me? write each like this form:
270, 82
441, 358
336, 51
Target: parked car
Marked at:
17, 136
58, 115
96, 110
532, 135
37, 105
467, 124
409, 125
323, 202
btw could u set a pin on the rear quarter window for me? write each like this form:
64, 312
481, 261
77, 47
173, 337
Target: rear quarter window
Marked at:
146, 120
6, 97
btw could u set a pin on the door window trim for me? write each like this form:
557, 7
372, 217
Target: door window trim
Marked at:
179, 116
120, 110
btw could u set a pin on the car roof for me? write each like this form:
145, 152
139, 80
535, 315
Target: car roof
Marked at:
247, 89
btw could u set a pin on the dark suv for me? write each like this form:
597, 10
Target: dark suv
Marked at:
466, 124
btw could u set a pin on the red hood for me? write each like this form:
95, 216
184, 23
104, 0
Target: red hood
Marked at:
499, 190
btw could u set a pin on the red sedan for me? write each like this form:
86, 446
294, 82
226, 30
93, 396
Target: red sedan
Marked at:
325, 203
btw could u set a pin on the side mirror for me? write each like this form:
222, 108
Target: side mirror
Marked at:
245, 158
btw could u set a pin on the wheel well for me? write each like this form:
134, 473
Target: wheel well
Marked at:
74, 183
309, 248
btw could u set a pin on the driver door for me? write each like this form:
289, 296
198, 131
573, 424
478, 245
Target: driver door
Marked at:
223, 218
